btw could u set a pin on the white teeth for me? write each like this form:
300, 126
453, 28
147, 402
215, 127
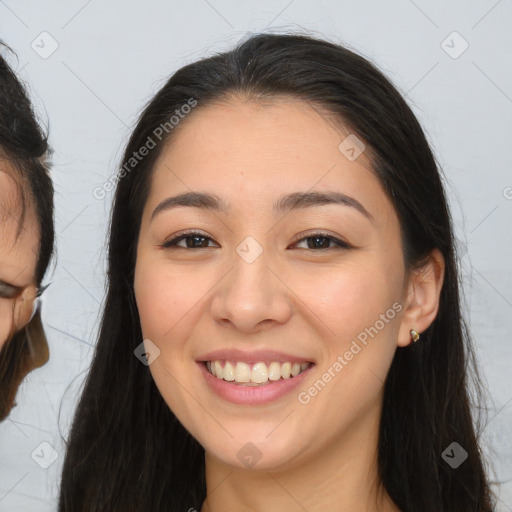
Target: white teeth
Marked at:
258, 373
295, 369
229, 372
242, 372
218, 370
274, 371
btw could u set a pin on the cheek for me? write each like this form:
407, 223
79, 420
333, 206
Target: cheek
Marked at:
350, 299
168, 299
159, 302
5, 321
360, 327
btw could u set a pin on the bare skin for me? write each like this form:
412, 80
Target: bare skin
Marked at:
294, 298
18, 257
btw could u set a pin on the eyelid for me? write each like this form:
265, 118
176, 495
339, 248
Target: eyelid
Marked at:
340, 243
321, 234
183, 234
9, 291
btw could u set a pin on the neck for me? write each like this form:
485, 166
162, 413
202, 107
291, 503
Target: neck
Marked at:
343, 478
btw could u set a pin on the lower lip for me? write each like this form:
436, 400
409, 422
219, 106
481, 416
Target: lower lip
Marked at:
252, 395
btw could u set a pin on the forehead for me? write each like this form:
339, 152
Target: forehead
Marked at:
10, 197
250, 153
18, 241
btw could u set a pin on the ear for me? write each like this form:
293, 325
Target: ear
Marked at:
422, 293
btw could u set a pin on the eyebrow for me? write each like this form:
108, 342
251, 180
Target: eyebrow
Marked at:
286, 203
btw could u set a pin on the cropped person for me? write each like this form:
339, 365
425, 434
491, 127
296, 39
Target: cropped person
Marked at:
26, 236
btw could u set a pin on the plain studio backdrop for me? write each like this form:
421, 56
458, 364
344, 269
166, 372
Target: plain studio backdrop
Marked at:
92, 65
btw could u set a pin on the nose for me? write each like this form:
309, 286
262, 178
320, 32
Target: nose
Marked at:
253, 296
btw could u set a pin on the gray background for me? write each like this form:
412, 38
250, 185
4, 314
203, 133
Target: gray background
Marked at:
112, 56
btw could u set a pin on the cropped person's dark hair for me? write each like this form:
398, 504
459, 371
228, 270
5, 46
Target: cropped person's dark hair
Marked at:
24, 147
128, 452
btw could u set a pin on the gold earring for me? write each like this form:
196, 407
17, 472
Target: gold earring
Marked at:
414, 335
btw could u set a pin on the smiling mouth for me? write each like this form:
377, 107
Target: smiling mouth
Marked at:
261, 373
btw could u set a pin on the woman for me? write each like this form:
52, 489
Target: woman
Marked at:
27, 236
282, 328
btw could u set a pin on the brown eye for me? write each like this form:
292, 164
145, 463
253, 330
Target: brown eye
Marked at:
193, 240
323, 241
198, 240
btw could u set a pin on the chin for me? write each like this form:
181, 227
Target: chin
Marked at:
256, 452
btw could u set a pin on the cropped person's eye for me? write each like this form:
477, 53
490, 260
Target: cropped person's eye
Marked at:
9, 291
315, 241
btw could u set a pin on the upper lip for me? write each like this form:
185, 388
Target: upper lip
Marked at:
251, 357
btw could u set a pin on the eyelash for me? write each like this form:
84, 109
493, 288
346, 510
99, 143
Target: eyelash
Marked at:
7, 291
189, 234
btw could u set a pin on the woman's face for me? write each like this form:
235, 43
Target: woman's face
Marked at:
252, 288
18, 258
